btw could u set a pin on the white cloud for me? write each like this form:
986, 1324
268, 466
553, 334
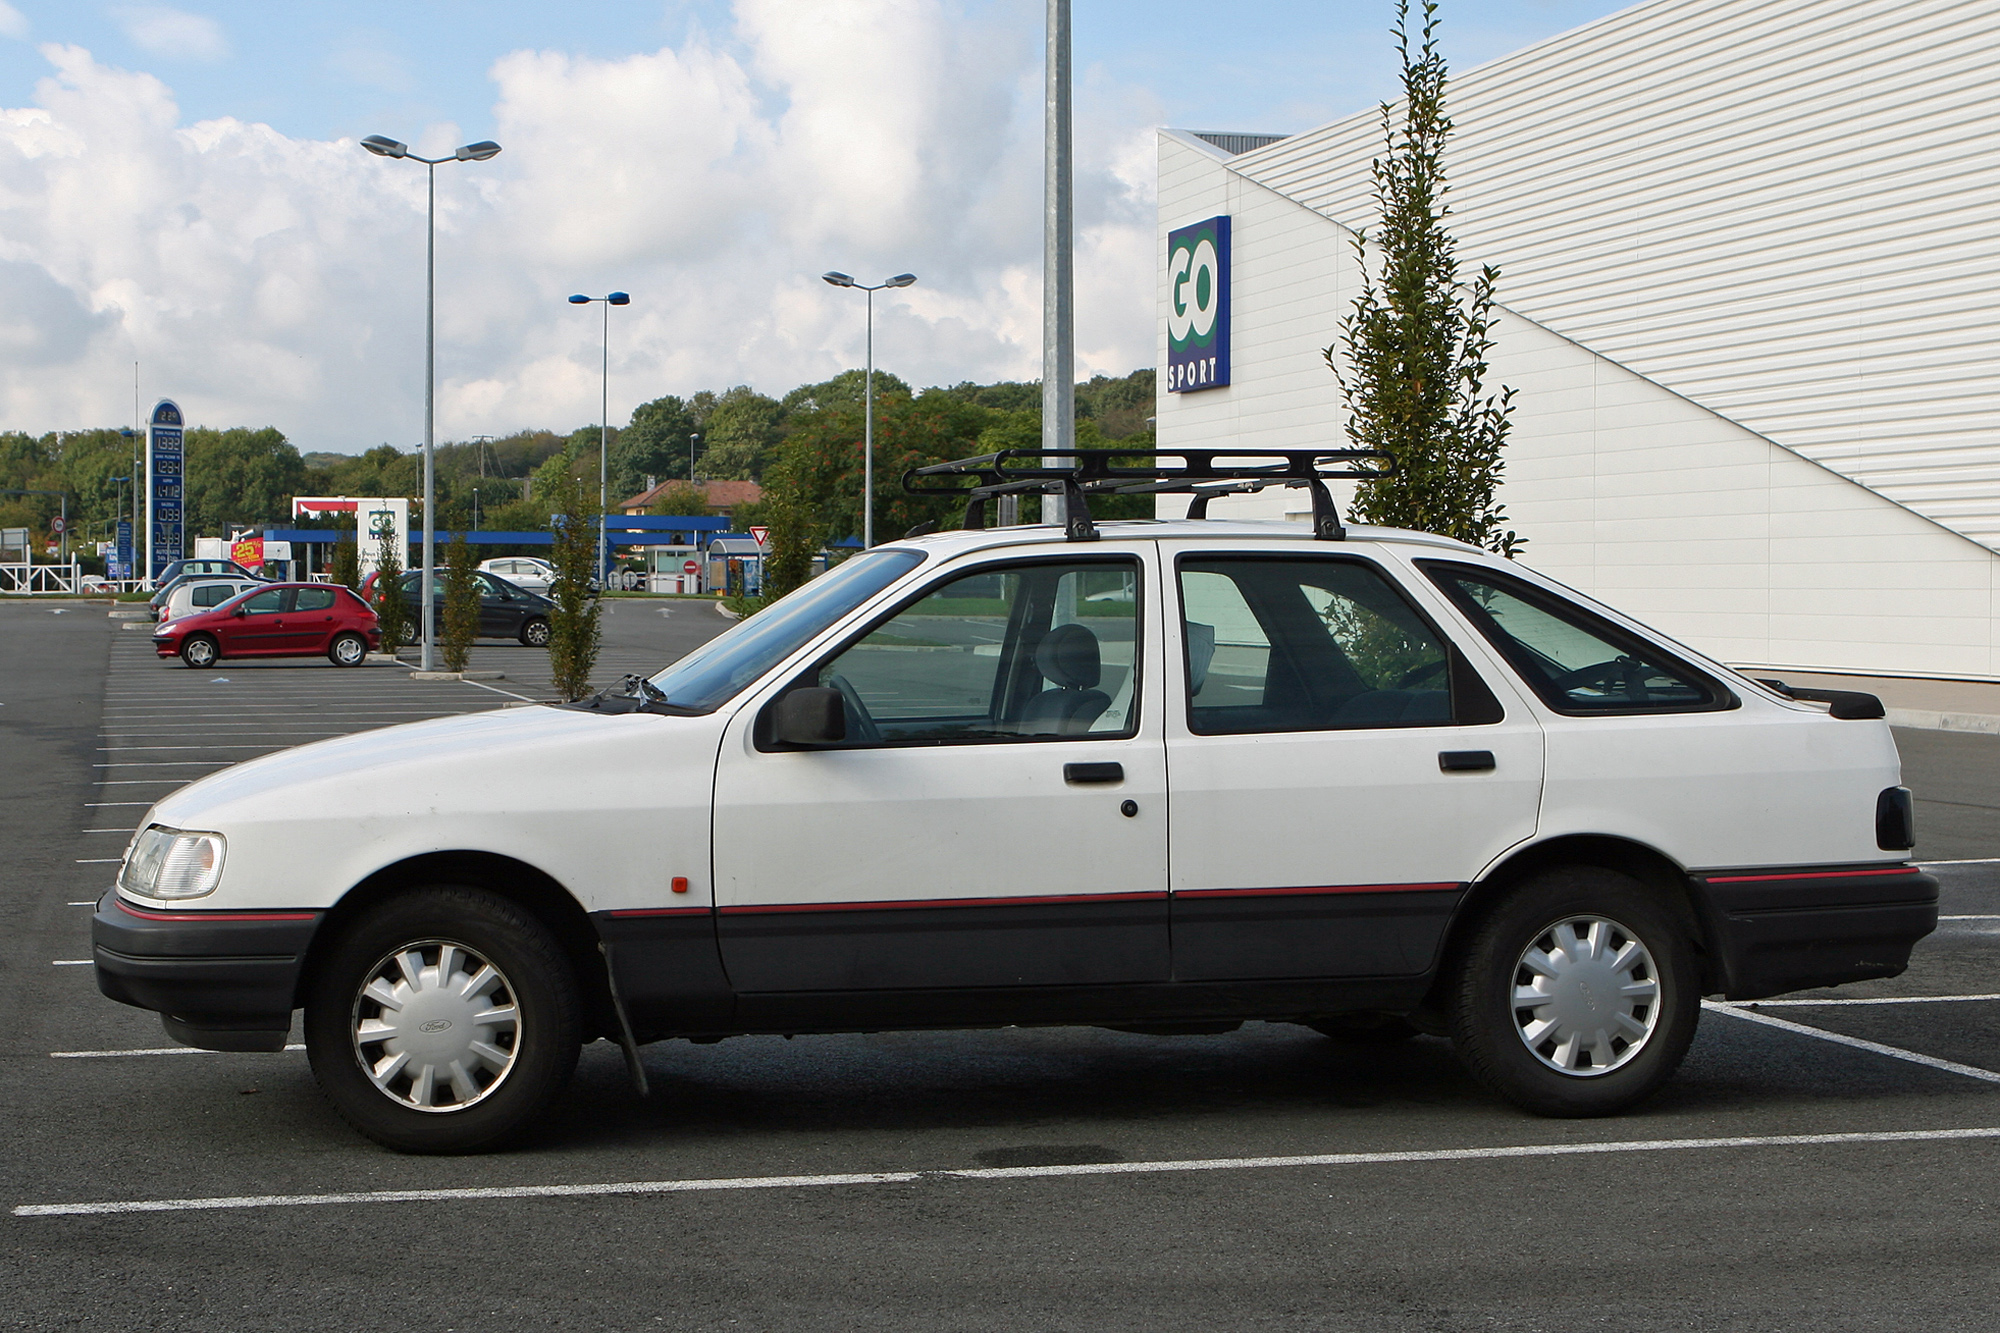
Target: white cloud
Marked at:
262, 279
13, 23
173, 33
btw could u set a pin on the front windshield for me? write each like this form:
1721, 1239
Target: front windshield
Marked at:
716, 671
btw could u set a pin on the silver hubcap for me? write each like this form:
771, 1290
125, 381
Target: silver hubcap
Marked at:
348, 650
200, 653
435, 1026
1586, 996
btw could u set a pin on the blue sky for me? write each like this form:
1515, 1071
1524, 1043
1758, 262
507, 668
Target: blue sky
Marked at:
179, 186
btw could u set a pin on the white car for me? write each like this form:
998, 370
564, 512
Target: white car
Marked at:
1371, 781
201, 594
523, 572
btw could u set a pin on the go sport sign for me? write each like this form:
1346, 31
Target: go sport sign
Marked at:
1198, 306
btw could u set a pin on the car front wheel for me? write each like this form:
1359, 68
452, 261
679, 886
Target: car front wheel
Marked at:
347, 649
535, 633
199, 652
1576, 995
445, 1020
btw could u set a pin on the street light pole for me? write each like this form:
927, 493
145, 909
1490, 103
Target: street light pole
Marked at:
692, 441
603, 426
868, 399
472, 152
1058, 273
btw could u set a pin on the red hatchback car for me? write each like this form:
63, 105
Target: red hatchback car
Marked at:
276, 620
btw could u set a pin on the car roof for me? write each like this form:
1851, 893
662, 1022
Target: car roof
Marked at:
1264, 533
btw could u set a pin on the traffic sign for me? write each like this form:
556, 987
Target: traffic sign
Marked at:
56, 525
690, 567
760, 535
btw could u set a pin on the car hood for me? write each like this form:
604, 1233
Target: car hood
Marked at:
415, 767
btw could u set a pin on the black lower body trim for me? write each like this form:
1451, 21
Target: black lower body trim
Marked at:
228, 978
1781, 929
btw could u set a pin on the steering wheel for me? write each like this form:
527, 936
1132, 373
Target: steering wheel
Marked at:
1418, 674
860, 726
1619, 673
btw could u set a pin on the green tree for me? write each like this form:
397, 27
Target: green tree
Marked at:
574, 633
654, 445
679, 500
240, 477
391, 612
461, 602
1411, 359
743, 431
347, 560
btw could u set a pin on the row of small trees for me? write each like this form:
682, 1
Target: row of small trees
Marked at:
574, 632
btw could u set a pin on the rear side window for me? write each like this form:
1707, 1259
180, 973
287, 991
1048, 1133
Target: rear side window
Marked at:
1577, 661
215, 594
1307, 645
315, 599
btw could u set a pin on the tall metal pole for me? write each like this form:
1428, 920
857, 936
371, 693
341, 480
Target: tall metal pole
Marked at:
430, 382
604, 448
868, 436
1058, 276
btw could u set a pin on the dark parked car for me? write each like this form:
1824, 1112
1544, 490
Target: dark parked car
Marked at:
505, 611
279, 620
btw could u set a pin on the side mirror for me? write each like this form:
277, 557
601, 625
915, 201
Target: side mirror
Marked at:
811, 715
241, 612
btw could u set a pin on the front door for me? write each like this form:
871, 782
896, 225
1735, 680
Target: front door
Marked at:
257, 626
1341, 770
997, 815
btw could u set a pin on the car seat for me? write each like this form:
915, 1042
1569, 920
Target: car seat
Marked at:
1069, 660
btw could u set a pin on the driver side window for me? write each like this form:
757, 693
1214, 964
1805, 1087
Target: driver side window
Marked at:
1019, 653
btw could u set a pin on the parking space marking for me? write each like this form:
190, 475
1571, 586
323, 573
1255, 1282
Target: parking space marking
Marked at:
79, 904
1984, 916
1859, 1044
158, 1050
69, 962
1883, 999
109, 830
1975, 861
996, 1173
100, 861
99, 805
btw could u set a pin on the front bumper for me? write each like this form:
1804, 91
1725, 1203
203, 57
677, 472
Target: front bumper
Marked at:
220, 980
1785, 929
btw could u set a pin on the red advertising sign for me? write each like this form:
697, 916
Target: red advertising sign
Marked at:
248, 552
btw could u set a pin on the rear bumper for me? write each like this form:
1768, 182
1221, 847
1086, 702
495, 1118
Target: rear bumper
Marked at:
224, 981
1783, 929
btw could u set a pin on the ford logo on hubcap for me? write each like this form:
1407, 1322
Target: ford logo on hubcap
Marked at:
434, 1025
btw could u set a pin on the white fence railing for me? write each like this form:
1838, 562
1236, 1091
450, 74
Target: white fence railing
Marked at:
41, 578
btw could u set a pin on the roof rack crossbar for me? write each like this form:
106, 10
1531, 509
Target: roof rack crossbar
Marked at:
1078, 473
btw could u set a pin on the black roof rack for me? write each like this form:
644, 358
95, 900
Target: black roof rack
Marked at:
1201, 473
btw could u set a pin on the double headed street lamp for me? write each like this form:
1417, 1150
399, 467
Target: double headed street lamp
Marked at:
472, 152
868, 426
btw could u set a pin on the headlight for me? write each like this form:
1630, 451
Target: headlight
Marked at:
167, 863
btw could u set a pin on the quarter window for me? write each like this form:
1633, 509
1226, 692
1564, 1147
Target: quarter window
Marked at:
1305, 645
1577, 661
1021, 653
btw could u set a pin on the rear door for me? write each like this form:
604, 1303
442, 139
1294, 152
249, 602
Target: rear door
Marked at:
310, 624
257, 626
971, 833
1341, 769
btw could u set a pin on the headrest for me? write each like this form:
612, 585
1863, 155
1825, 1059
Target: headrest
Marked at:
1068, 658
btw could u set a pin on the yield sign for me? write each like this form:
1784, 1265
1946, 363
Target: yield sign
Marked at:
760, 535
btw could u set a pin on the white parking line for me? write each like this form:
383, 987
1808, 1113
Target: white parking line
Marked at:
79, 904
1895, 1052
101, 861
162, 1050
1975, 861
999, 1173
1885, 999
1980, 917
110, 830
69, 962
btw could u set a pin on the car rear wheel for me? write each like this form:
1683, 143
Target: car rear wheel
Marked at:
347, 649
535, 633
445, 1020
199, 651
1577, 994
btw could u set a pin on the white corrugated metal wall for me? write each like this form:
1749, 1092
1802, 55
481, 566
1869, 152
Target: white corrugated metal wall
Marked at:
1787, 210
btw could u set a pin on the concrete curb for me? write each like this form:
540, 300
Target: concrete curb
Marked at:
726, 613
130, 615
1925, 720
382, 659
137, 624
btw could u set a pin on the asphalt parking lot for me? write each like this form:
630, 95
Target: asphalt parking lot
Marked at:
1826, 1161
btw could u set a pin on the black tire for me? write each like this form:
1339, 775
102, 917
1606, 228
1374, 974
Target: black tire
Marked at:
535, 632
1366, 1029
1562, 1075
200, 652
347, 650
535, 983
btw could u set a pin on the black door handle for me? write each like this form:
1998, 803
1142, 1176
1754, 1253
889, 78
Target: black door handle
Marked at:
1093, 772
1465, 761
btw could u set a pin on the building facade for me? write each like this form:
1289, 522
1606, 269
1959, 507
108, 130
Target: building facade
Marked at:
1749, 263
